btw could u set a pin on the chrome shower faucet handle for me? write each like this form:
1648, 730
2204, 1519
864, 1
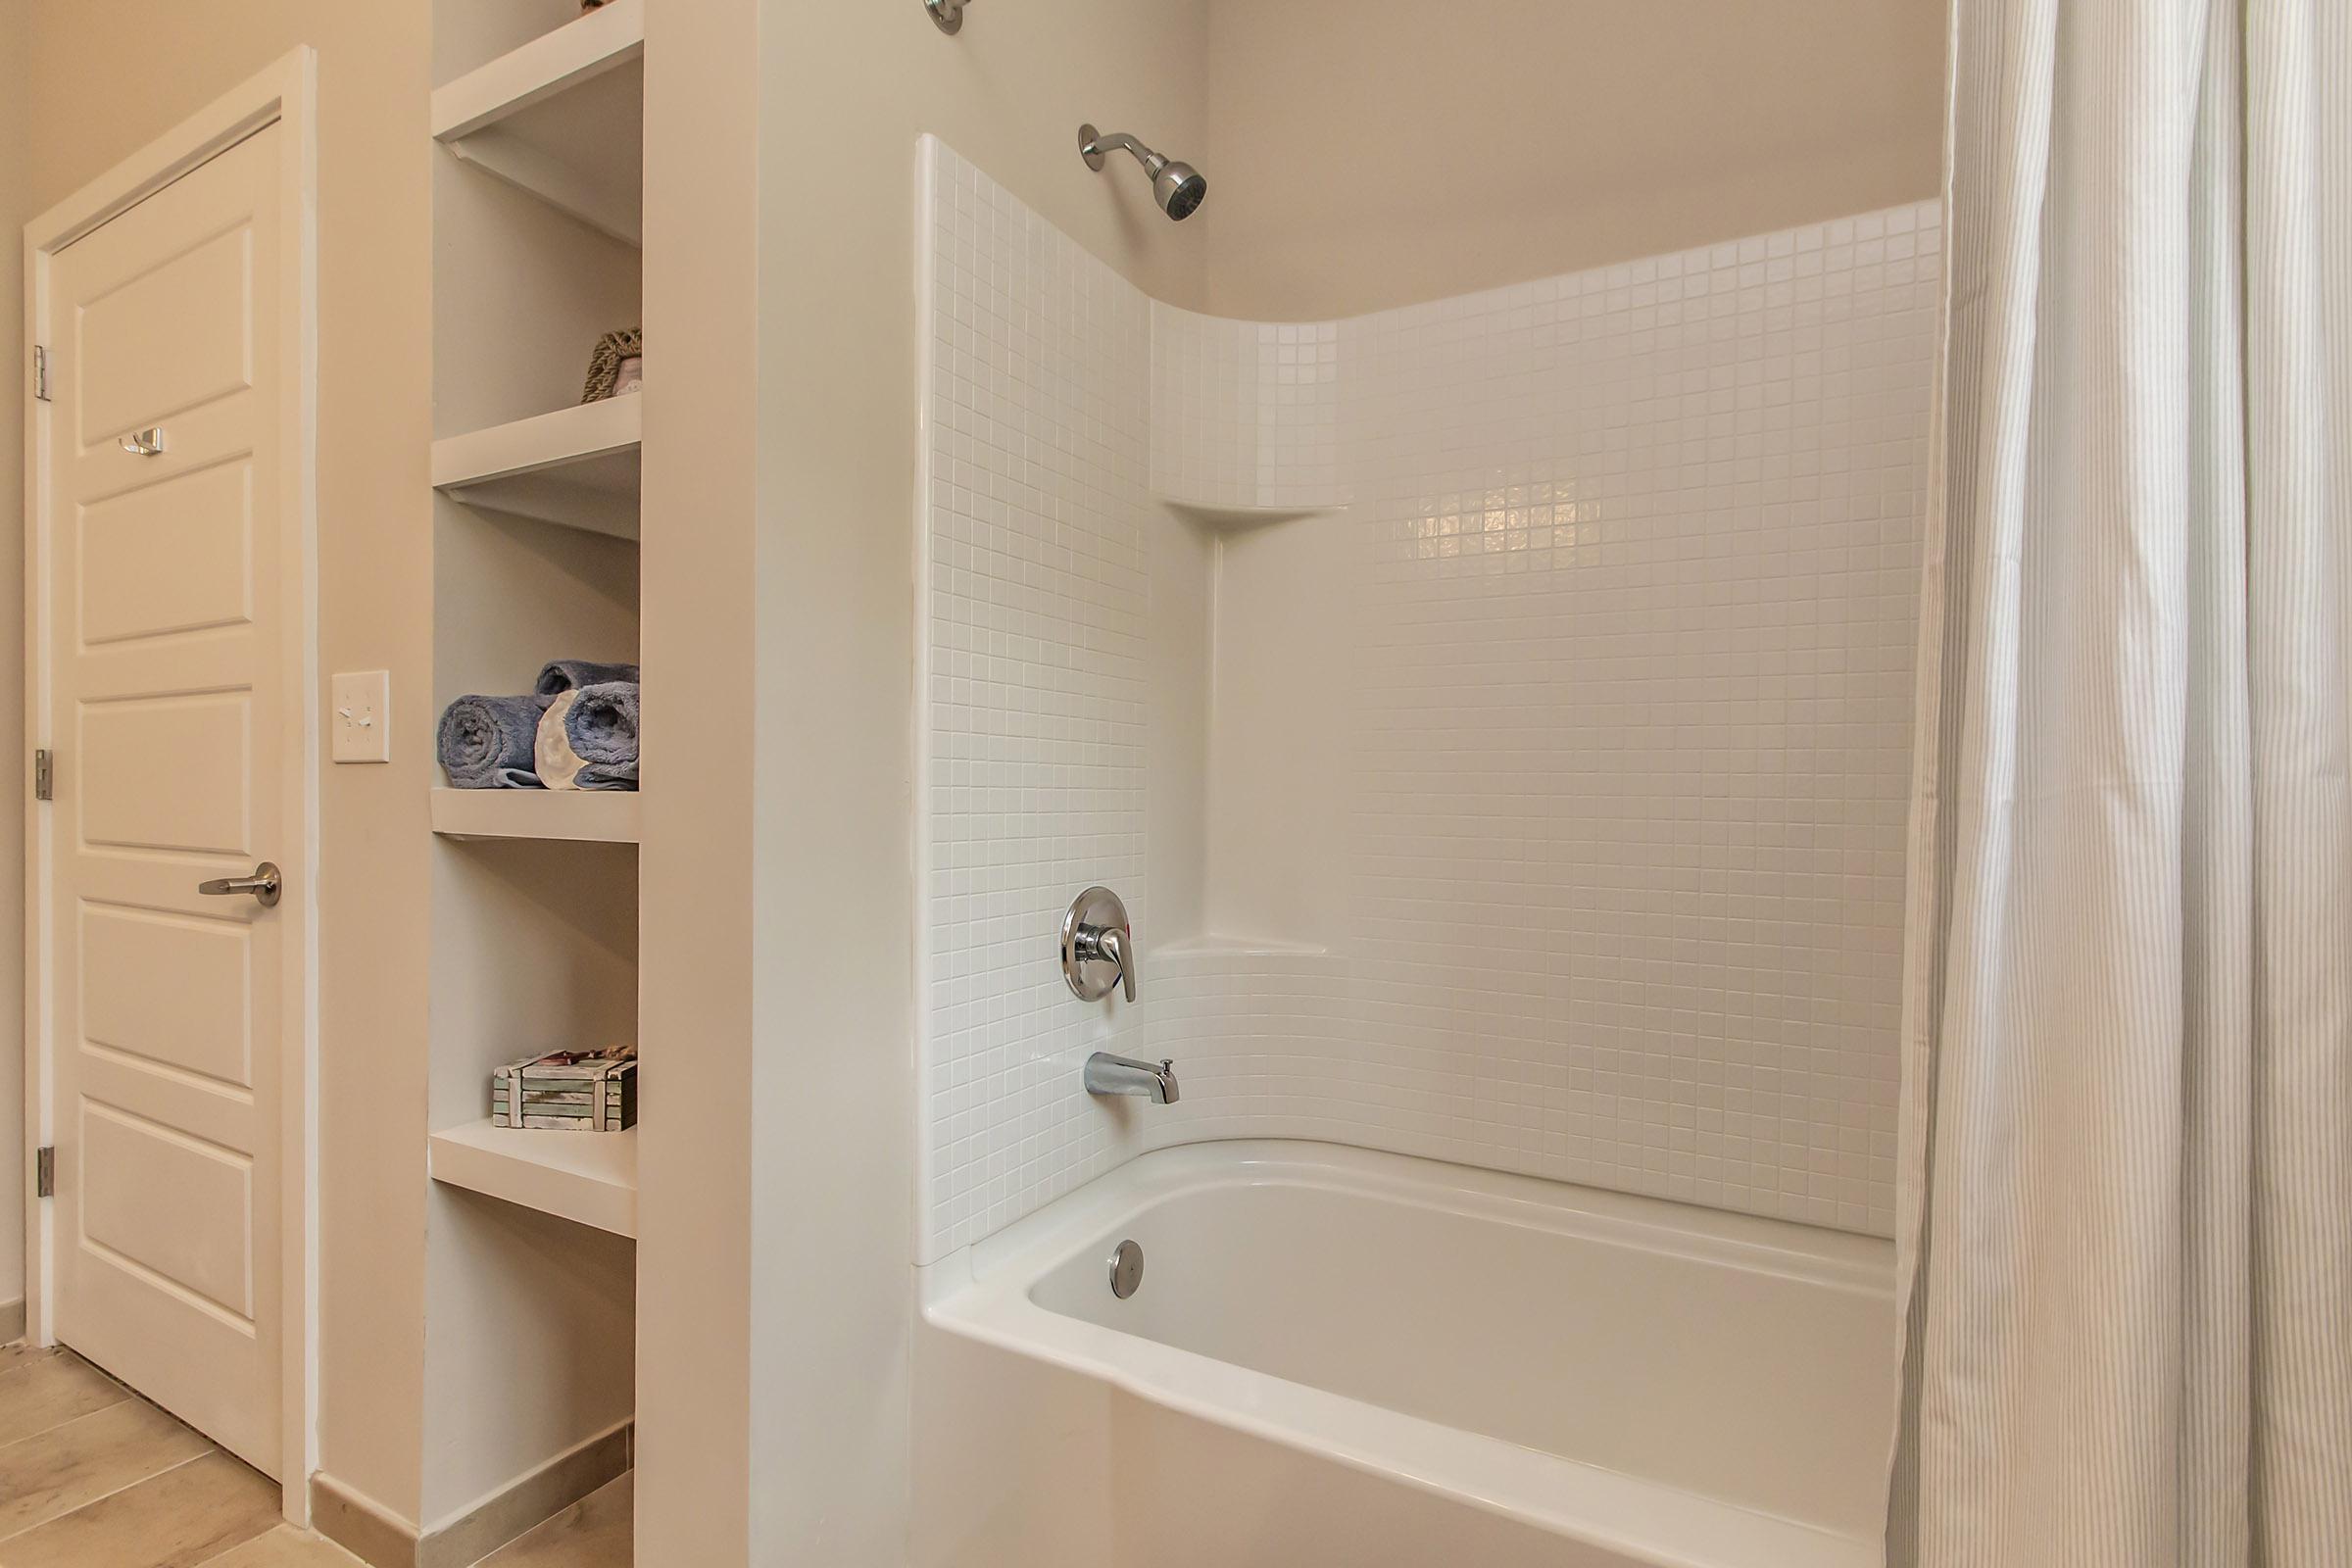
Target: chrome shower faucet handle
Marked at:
1097, 947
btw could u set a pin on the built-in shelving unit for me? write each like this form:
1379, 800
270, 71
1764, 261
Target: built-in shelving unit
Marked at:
590, 1178
537, 254
562, 118
598, 816
577, 467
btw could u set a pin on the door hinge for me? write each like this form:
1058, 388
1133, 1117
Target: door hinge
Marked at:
44, 775
44, 1172
40, 372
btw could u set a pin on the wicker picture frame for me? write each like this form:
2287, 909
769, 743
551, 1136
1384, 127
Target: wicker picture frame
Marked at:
603, 366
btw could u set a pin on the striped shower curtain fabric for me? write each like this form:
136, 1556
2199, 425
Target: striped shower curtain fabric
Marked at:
2125, 1221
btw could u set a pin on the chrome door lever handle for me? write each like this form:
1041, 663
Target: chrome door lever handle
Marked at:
265, 885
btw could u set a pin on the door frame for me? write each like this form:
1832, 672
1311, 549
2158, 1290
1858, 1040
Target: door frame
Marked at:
284, 94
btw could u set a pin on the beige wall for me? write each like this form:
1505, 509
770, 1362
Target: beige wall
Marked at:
101, 78
16, 196
1363, 154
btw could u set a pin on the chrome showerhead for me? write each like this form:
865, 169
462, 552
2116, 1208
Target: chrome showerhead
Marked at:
1179, 190
1177, 187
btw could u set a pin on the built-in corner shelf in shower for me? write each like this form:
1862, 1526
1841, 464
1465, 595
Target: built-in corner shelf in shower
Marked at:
579, 467
562, 118
1218, 946
604, 817
1224, 517
589, 1178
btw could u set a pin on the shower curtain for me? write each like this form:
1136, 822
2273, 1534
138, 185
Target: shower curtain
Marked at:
2126, 1217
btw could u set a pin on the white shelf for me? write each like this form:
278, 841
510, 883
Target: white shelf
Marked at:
562, 118
1216, 945
1222, 517
608, 816
590, 1178
577, 467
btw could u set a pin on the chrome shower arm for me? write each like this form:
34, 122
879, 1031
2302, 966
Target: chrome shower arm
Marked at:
1119, 141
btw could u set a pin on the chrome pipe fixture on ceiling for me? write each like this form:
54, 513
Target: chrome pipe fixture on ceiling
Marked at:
1177, 187
949, 14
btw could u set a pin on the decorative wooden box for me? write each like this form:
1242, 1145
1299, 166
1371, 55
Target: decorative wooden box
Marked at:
573, 1091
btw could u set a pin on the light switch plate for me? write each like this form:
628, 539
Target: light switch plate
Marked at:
363, 716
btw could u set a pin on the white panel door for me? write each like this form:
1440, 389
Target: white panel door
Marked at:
171, 709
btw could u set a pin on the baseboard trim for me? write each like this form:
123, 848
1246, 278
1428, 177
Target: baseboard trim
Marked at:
529, 1500
381, 1538
12, 1321
360, 1525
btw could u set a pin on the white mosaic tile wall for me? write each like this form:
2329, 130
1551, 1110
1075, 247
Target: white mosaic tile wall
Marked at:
1631, 558
1033, 660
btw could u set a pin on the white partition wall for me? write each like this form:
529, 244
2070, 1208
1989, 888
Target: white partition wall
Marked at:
698, 1177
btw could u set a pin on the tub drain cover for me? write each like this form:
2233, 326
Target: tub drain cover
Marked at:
1126, 1269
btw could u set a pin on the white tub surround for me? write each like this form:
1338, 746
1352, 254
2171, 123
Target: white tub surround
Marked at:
1494, 713
1413, 1355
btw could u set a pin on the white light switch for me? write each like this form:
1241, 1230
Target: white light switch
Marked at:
363, 716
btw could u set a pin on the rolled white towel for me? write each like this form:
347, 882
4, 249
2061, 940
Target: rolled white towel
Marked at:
587, 738
557, 763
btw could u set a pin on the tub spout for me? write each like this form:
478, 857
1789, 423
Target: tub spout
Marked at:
1107, 1074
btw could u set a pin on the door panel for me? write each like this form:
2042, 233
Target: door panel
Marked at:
168, 1205
171, 338
171, 557
167, 772
203, 1024
170, 701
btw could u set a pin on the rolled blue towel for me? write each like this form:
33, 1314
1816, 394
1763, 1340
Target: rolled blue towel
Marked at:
485, 742
569, 674
601, 729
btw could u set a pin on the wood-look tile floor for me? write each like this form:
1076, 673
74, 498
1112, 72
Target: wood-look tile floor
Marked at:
91, 1476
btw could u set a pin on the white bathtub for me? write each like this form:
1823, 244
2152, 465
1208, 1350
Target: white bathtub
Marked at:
1348, 1358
